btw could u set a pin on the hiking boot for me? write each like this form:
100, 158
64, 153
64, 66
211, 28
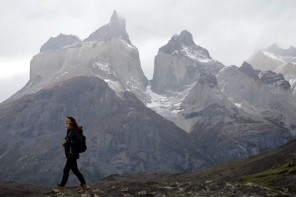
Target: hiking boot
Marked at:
84, 188
58, 190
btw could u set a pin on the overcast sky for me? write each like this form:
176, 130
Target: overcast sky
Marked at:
231, 30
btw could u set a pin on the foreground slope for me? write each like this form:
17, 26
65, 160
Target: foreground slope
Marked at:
267, 174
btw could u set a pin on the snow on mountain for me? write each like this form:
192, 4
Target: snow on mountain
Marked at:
274, 57
169, 106
195, 54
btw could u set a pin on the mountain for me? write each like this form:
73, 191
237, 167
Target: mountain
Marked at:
224, 131
267, 174
179, 63
263, 93
113, 59
178, 66
277, 60
187, 88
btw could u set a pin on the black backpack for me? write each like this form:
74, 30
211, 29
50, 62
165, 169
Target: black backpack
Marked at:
82, 141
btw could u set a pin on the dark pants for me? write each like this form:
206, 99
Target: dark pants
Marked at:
71, 164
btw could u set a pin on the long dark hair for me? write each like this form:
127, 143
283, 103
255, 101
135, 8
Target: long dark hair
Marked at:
73, 122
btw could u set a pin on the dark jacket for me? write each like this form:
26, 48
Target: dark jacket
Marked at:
71, 142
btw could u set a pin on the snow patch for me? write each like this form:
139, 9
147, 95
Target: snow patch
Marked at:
292, 82
65, 73
157, 101
239, 105
283, 59
133, 84
195, 55
76, 44
167, 104
273, 56
115, 85
127, 45
102, 66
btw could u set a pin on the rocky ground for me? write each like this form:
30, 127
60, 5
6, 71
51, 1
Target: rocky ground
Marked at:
119, 188
268, 174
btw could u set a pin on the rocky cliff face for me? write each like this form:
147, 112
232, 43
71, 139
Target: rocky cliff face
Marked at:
263, 93
112, 58
179, 63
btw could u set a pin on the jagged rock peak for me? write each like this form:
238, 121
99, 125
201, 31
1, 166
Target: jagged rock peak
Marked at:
177, 42
59, 42
270, 77
181, 42
185, 38
114, 29
275, 49
247, 69
116, 19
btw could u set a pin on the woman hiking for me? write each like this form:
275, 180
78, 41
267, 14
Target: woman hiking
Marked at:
70, 144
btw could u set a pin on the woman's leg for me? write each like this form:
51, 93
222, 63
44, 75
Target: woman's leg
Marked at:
66, 171
77, 172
